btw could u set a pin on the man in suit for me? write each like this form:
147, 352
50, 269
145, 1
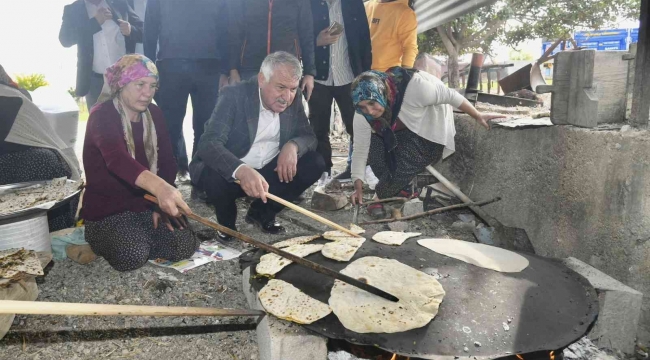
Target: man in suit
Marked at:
104, 31
260, 136
341, 55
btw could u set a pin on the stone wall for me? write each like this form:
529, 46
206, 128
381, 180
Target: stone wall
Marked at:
577, 192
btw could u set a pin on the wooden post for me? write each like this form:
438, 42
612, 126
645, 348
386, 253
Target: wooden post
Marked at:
489, 83
641, 101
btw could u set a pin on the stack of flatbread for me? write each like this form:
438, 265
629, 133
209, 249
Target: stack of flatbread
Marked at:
16, 264
25, 198
343, 246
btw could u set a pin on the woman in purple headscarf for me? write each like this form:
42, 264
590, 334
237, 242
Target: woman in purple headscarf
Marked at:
127, 153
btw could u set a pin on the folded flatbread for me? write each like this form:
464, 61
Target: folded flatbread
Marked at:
393, 237
287, 302
271, 264
342, 249
17, 262
337, 235
296, 241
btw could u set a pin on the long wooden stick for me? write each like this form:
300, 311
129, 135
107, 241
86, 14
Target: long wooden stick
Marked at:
57, 308
310, 214
298, 260
431, 212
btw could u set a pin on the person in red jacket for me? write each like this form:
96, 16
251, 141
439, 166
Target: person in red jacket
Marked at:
127, 153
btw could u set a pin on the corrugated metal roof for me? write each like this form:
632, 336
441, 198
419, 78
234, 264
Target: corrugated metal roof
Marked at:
431, 13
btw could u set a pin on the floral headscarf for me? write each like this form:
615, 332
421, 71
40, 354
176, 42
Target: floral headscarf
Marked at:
387, 89
129, 68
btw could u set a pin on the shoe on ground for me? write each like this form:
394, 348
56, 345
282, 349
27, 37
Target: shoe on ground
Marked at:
183, 177
299, 199
325, 179
81, 254
376, 211
269, 227
198, 194
345, 176
224, 237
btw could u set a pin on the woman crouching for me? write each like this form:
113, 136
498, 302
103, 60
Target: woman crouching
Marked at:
127, 153
403, 123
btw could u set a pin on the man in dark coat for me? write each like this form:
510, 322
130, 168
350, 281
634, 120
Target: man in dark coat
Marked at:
258, 134
104, 31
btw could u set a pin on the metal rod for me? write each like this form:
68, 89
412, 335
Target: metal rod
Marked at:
298, 260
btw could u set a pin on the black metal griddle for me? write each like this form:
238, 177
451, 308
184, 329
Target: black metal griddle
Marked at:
549, 306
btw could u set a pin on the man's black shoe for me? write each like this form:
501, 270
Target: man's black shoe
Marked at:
345, 176
198, 194
269, 227
224, 237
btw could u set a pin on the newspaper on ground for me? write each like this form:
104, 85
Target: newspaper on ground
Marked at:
208, 252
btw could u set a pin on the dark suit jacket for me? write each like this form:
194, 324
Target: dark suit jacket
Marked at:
77, 29
357, 33
231, 130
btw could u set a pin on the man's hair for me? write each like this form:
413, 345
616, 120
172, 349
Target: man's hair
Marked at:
280, 58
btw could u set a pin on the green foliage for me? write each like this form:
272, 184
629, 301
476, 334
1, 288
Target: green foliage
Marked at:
72, 92
521, 55
31, 82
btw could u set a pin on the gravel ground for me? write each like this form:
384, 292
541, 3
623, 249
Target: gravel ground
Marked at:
213, 285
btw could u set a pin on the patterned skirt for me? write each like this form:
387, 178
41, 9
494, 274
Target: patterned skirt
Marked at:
128, 240
413, 154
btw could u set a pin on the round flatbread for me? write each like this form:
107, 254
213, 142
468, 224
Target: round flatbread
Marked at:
342, 249
485, 256
296, 241
393, 237
271, 264
287, 302
419, 295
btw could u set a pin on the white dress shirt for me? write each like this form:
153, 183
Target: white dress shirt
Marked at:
266, 145
109, 45
425, 110
340, 72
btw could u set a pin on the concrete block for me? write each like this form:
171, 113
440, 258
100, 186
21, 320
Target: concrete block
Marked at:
413, 207
619, 309
278, 339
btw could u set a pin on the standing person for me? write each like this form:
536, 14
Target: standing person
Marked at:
259, 135
127, 153
393, 30
401, 127
103, 30
341, 55
262, 27
191, 38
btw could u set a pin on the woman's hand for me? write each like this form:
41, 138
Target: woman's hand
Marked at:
170, 200
484, 118
357, 196
162, 218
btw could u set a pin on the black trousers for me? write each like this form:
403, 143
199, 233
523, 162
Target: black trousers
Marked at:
222, 193
180, 78
320, 111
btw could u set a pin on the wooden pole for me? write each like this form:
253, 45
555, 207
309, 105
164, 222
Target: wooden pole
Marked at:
641, 98
56, 308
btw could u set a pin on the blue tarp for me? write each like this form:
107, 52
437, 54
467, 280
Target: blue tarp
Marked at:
609, 39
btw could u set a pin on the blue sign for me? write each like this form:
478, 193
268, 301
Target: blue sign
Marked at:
609, 39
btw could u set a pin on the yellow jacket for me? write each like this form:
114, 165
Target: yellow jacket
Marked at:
393, 33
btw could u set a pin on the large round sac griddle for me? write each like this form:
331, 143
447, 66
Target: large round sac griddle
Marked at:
547, 306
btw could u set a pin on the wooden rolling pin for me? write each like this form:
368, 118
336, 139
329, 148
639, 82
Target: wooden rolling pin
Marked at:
57, 308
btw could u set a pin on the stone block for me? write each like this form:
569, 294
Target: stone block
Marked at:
412, 207
278, 339
321, 200
399, 226
619, 309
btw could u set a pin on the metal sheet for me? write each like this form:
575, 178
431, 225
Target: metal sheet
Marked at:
431, 13
545, 307
32, 211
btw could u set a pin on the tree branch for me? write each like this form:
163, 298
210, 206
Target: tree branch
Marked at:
478, 38
449, 45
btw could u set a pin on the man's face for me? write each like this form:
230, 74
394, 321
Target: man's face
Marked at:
278, 93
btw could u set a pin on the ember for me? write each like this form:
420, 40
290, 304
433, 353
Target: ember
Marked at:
540, 355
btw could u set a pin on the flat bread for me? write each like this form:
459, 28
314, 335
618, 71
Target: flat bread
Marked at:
33, 196
287, 302
271, 264
419, 295
342, 249
15, 263
337, 235
485, 256
296, 241
393, 237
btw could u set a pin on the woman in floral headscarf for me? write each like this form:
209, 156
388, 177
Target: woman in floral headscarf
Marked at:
127, 153
404, 122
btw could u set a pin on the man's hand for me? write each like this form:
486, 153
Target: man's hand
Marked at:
357, 196
102, 15
287, 162
307, 86
484, 118
223, 81
324, 38
252, 182
234, 77
125, 27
